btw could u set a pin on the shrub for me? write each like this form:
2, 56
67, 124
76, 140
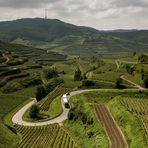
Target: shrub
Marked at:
146, 82
119, 84
87, 83
34, 111
40, 93
77, 75
50, 72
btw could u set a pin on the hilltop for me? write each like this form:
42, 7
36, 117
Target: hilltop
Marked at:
67, 39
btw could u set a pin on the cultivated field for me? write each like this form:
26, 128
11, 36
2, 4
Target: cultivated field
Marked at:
114, 134
46, 136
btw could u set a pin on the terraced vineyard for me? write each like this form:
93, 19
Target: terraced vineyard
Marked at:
58, 91
136, 106
139, 107
45, 136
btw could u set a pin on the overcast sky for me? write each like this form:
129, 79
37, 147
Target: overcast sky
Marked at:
100, 14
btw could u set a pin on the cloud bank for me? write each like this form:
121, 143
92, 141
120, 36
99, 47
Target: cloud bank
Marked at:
106, 14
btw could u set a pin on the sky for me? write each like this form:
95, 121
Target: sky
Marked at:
99, 14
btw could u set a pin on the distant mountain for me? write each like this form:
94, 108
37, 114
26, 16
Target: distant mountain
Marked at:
39, 29
63, 38
131, 35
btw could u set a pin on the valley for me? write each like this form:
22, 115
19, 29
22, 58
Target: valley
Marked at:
103, 73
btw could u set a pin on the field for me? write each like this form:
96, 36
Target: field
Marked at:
7, 137
130, 124
45, 136
22, 71
111, 129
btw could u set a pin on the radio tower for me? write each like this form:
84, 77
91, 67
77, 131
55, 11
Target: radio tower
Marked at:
45, 14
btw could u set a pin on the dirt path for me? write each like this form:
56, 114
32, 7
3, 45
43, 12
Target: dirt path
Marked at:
136, 85
123, 77
7, 58
112, 130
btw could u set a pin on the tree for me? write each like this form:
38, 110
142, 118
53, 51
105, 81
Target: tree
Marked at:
130, 69
134, 53
77, 75
34, 111
119, 84
146, 82
50, 72
40, 93
87, 83
143, 58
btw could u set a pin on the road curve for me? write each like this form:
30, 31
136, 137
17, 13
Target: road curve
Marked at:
17, 118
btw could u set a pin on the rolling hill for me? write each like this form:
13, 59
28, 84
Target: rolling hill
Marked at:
53, 35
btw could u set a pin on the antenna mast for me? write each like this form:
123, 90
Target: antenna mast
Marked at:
45, 14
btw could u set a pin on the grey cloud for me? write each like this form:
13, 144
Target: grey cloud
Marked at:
25, 3
101, 14
127, 3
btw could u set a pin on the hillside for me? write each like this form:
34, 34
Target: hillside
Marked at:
69, 40
38, 29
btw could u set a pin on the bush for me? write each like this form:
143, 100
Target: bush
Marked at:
77, 75
40, 93
34, 111
88, 83
143, 58
50, 72
34, 80
146, 82
119, 84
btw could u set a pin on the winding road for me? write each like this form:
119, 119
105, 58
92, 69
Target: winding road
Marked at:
18, 117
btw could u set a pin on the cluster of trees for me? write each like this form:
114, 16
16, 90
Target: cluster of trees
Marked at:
34, 111
119, 84
143, 58
50, 72
17, 61
87, 83
130, 69
31, 81
146, 82
77, 114
43, 90
77, 74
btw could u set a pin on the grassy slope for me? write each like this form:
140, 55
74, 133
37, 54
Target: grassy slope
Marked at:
55, 107
7, 138
80, 131
9, 102
130, 125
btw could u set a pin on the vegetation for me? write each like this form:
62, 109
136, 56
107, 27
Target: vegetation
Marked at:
77, 74
67, 65
84, 126
119, 84
45, 136
129, 124
40, 92
34, 111
50, 72
146, 82
55, 107
7, 137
